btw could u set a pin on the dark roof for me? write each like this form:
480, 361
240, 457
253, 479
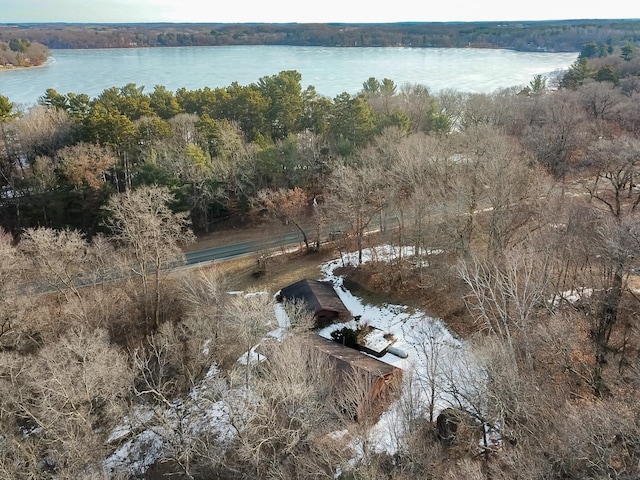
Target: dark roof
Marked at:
317, 295
346, 356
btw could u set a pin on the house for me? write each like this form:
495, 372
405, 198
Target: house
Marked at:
320, 298
380, 380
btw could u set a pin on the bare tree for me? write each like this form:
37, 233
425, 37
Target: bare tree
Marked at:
466, 392
314, 155
477, 182
615, 168
556, 132
628, 113
86, 164
11, 268
288, 206
206, 295
44, 180
69, 396
249, 319
600, 99
39, 132
82, 274
505, 296
294, 408
43, 130
494, 110
616, 244
183, 128
465, 468
598, 440
432, 352
180, 388
19, 453
152, 234
496, 407
452, 104
509, 188
355, 197
58, 258
419, 176
611, 241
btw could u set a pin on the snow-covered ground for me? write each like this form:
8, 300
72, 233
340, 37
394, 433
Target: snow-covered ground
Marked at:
435, 358
153, 432
571, 296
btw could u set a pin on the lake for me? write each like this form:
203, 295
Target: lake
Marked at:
331, 70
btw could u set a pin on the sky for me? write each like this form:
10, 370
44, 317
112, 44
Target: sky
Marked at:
285, 11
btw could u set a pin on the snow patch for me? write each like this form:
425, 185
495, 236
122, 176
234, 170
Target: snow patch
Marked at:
571, 296
435, 357
202, 411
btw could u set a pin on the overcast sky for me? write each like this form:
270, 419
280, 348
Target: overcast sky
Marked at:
228, 11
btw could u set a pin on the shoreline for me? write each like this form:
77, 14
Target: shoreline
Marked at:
13, 68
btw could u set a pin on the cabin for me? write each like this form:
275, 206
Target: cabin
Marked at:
380, 379
320, 299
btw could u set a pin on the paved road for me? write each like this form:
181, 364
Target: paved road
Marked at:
239, 249
225, 252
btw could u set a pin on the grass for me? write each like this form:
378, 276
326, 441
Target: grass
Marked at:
228, 233
280, 270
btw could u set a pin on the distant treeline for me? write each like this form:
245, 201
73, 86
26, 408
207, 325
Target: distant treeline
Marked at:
552, 36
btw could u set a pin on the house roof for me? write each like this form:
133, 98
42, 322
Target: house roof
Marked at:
317, 295
349, 357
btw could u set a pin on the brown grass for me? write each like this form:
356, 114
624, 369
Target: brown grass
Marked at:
280, 271
439, 294
229, 232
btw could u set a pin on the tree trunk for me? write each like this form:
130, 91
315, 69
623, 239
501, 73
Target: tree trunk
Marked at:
156, 307
304, 235
605, 323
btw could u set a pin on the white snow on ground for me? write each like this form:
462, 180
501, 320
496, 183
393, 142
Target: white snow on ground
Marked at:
572, 296
251, 357
201, 411
435, 356
135, 456
283, 322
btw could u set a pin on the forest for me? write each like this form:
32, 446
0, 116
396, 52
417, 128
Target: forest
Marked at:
521, 207
20, 52
551, 36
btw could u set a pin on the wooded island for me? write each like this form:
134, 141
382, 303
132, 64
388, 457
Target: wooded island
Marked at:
20, 52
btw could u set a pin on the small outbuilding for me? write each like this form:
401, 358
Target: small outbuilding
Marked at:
380, 379
320, 299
